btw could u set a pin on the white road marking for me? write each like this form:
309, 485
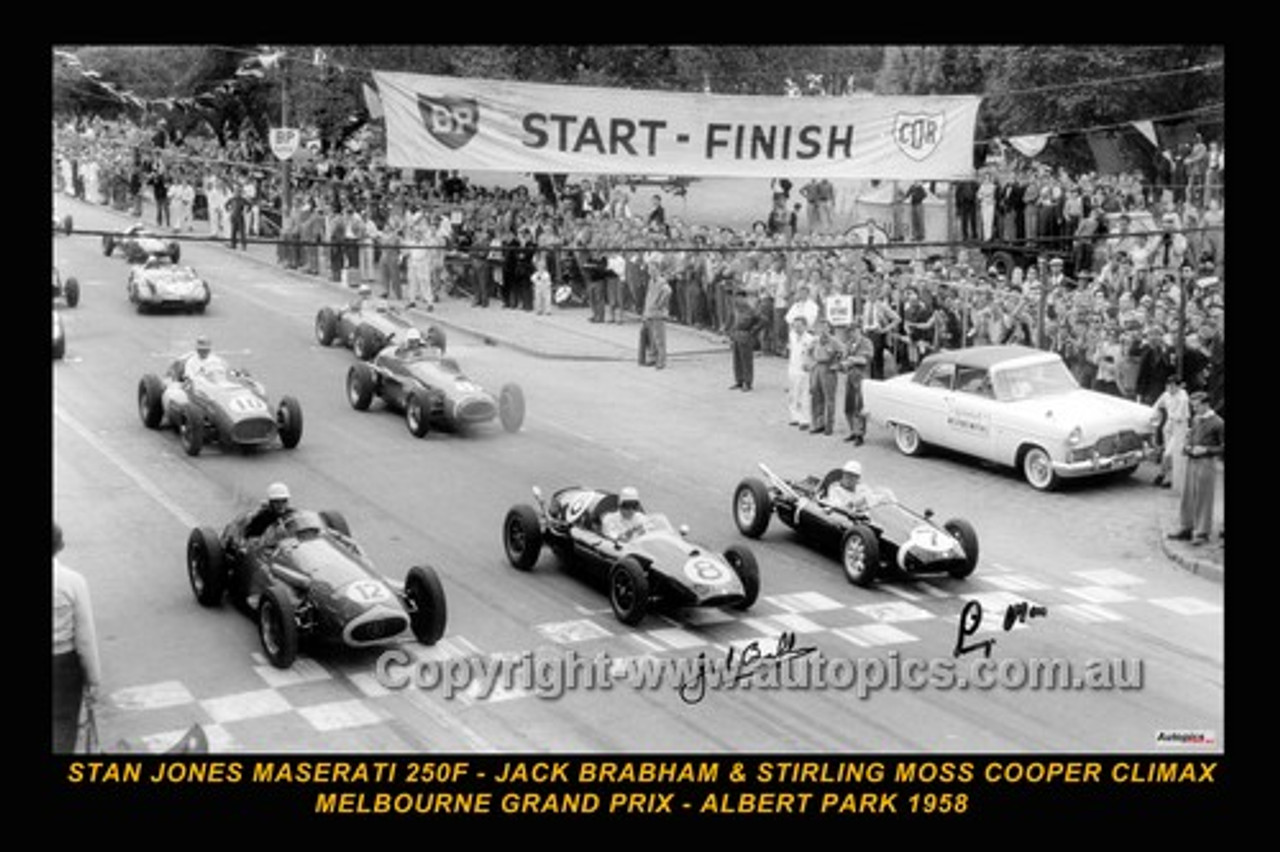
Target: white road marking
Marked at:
891, 612
1100, 594
304, 670
246, 705
220, 741
645, 642
902, 593
871, 635
339, 715
1187, 606
566, 632
1110, 577
1014, 582
170, 693
144, 484
677, 638
803, 602
1089, 613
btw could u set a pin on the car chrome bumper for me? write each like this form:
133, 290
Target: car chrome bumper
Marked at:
1099, 464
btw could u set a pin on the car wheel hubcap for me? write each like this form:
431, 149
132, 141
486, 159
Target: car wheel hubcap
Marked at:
515, 539
854, 557
197, 572
1038, 468
415, 415
906, 438
746, 507
623, 593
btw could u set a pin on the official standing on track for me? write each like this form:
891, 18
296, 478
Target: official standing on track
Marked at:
858, 353
825, 357
657, 304
1205, 442
747, 325
77, 672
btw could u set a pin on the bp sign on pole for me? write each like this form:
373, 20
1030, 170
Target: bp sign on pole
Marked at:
285, 141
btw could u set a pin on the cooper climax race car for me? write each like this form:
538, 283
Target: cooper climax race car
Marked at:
305, 578
367, 328
63, 224
226, 406
870, 543
157, 283
137, 243
431, 390
59, 337
653, 564
1015, 406
66, 289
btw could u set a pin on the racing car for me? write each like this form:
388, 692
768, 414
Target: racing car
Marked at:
367, 329
870, 543
137, 243
63, 224
158, 283
66, 289
431, 389
229, 407
59, 337
655, 565
306, 578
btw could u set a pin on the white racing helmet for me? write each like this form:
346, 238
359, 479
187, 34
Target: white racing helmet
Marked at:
853, 466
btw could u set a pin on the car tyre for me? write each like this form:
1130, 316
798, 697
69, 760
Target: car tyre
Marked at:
417, 413
335, 520
428, 610
963, 531
366, 343
278, 626
860, 555
326, 326
1037, 469
150, 405
206, 566
71, 292
360, 385
191, 429
629, 591
289, 422
907, 440
522, 537
752, 507
511, 407
743, 562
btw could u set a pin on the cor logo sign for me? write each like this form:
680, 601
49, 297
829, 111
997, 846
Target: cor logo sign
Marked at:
450, 121
918, 134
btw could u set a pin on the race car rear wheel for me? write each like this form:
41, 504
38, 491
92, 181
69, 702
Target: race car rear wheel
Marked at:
71, 292
206, 566
278, 626
511, 407
907, 440
191, 429
629, 591
963, 532
428, 611
1037, 469
150, 407
860, 555
522, 537
360, 386
326, 326
334, 520
417, 413
743, 563
752, 506
437, 338
366, 343
289, 422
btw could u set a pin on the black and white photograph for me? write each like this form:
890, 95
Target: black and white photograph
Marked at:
461, 400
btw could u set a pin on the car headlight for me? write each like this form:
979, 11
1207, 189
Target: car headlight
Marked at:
1075, 436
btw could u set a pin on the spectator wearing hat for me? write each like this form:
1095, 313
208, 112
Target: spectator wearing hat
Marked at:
1205, 443
746, 327
858, 353
825, 358
77, 672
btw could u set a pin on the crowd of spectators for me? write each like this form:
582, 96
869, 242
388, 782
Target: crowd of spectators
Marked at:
1130, 279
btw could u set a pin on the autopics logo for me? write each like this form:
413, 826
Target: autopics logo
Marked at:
452, 121
1186, 738
918, 134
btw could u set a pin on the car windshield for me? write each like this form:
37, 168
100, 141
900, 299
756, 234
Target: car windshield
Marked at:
1043, 378
304, 523
656, 523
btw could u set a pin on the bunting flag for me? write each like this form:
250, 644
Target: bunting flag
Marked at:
372, 102
1030, 145
1147, 129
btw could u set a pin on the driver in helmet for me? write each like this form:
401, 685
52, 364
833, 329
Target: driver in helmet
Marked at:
275, 508
848, 493
363, 295
627, 520
413, 344
203, 363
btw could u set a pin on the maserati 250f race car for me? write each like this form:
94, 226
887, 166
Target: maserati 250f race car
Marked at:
137, 243
366, 330
431, 390
67, 289
306, 578
157, 283
869, 543
655, 564
229, 406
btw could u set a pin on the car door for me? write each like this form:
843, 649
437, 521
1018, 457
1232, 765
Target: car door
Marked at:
969, 411
934, 399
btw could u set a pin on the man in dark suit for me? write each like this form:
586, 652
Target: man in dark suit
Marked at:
1205, 442
746, 326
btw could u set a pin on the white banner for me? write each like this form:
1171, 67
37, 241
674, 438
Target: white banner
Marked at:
490, 125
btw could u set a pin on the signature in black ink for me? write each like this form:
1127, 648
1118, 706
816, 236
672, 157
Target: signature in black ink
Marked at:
971, 620
1020, 612
739, 666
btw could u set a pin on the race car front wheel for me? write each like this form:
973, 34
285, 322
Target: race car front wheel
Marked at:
860, 555
752, 506
278, 626
417, 413
150, 407
522, 537
428, 612
71, 292
511, 407
743, 563
629, 591
963, 532
360, 385
206, 568
289, 422
191, 430
326, 326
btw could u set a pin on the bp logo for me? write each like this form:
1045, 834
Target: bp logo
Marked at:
918, 134
452, 121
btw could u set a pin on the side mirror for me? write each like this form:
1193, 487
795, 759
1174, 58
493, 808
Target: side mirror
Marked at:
684, 529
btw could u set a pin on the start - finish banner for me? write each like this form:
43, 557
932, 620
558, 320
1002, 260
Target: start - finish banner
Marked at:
455, 123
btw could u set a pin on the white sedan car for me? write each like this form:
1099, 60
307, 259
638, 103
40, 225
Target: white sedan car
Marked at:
1012, 405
